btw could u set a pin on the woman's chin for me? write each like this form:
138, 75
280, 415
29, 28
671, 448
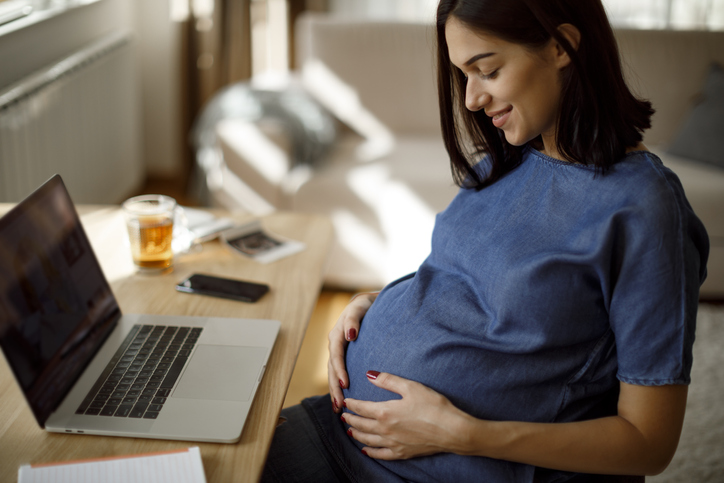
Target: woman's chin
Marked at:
513, 139
516, 139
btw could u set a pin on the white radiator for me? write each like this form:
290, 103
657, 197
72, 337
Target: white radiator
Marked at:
78, 117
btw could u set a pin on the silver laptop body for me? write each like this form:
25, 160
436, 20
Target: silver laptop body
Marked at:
60, 326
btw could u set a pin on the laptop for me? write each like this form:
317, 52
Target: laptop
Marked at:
84, 367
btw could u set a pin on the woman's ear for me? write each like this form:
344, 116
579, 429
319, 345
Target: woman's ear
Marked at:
573, 36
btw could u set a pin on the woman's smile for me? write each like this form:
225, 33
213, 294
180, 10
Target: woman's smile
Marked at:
500, 117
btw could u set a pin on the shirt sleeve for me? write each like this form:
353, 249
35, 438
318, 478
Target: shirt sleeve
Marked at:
658, 264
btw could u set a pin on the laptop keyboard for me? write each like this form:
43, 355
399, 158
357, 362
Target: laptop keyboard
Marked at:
139, 378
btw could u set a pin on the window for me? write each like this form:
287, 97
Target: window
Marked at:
11, 10
643, 14
665, 14
413, 10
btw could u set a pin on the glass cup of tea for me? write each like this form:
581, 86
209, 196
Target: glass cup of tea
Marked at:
149, 220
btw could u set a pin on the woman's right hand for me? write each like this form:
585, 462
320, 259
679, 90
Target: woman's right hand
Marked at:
345, 330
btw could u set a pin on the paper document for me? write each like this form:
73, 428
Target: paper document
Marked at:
252, 241
181, 466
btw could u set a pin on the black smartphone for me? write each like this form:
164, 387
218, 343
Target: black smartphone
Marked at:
223, 287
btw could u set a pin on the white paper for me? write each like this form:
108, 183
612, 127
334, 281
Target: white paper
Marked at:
280, 247
183, 466
193, 226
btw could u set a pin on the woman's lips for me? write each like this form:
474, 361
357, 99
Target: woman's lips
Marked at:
500, 117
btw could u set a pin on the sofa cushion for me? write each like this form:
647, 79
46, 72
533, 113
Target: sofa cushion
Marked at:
704, 188
649, 57
702, 132
390, 66
383, 211
703, 184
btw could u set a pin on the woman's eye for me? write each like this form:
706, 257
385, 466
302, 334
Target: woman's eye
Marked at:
492, 75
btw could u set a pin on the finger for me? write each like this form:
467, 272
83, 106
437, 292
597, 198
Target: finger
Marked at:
375, 446
352, 317
337, 369
355, 311
390, 382
335, 391
351, 324
367, 439
380, 453
360, 423
366, 409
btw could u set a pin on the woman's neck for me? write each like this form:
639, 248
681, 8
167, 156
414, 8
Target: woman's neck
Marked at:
638, 147
550, 148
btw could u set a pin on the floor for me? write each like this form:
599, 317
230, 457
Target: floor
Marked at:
310, 373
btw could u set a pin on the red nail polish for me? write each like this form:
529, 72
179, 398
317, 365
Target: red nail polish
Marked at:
351, 334
342, 418
334, 405
344, 403
364, 453
341, 383
349, 432
372, 374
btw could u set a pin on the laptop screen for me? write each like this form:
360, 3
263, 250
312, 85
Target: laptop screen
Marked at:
56, 307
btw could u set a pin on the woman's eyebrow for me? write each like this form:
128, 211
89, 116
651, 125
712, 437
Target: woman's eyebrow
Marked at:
477, 57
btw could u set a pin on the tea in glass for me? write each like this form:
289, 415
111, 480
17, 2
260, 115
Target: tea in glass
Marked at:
149, 220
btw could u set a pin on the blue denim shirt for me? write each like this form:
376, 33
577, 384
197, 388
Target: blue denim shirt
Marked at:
540, 294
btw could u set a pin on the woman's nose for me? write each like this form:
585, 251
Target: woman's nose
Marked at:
475, 97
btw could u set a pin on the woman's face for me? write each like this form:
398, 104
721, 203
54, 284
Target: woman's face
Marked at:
519, 89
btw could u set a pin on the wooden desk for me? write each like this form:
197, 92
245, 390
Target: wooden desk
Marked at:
295, 282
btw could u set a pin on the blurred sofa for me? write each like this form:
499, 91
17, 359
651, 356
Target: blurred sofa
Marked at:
385, 173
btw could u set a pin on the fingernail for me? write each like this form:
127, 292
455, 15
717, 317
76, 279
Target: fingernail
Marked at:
344, 403
351, 334
341, 383
349, 432
372, 375
364, 453
334, 405
342, 418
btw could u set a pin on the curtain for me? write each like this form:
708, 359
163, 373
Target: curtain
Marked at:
220, 46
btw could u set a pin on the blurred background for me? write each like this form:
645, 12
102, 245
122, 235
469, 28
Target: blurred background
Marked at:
174, 56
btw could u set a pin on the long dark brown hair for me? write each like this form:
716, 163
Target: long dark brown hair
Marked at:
599, 116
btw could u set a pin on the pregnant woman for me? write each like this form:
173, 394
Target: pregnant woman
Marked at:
548, 336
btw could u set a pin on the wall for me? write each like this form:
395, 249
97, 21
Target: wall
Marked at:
44, 37
159, 57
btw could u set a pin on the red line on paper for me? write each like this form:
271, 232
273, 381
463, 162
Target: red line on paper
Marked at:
109, 458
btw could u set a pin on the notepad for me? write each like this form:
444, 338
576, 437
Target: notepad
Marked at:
182, 466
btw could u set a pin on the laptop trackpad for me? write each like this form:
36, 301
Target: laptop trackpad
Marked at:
221, 373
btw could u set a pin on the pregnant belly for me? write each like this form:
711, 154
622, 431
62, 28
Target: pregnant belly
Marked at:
419, 348
486, 383
499, 365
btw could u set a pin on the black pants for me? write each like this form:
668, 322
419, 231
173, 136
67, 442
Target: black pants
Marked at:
297, 454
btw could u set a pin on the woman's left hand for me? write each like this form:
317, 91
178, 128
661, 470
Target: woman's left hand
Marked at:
423, 422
